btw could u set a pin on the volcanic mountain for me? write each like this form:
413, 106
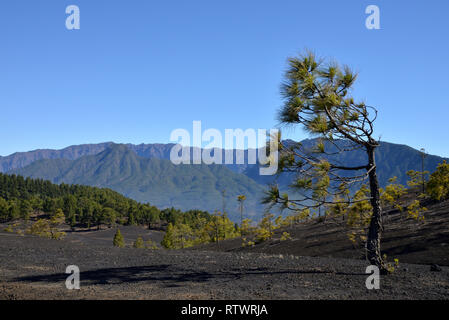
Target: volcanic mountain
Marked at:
145, 173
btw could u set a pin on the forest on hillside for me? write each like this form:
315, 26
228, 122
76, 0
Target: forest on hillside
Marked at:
82, 206
88, 207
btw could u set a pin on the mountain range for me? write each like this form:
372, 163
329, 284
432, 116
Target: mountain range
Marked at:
145, 173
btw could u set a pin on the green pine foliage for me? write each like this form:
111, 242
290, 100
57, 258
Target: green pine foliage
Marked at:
438, 185
82, 205
139, 244
197, 227
158, 181
149, 244
118, 241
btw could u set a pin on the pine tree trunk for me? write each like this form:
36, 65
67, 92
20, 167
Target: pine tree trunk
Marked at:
373, 251
241, 219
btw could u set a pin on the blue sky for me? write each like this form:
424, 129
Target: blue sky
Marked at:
138, 69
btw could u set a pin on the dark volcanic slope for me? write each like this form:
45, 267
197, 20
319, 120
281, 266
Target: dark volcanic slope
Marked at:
407, 240
103, 238
35, 270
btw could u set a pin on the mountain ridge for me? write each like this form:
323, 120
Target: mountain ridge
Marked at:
157, 181
144, 173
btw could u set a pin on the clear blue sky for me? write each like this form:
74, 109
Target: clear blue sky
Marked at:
138, 69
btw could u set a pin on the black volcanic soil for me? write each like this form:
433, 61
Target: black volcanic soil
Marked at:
319, 263
104, 236
34, 268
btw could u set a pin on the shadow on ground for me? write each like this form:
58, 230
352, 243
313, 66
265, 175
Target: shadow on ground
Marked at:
167, 275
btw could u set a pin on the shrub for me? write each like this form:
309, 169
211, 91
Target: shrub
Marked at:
139, 244
118, 241
40, 228
46, 229
286, 236
248, 243
9, 229
438, 185
151, 245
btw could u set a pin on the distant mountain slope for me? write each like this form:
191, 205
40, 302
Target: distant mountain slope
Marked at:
157, 181
144, 173
22, 159
391, 160
152, 150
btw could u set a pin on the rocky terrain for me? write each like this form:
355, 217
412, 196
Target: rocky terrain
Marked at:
34, 268
319, 262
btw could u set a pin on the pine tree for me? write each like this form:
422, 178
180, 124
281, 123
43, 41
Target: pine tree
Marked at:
241, 199
4, 212
438, 185
13, 210
131, 220
266, 228
151, 245
317, 97
57, 219
25, 209
183, 234
169, 236
139, 244
118, 241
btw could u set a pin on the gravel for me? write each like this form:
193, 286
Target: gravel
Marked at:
34, 268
